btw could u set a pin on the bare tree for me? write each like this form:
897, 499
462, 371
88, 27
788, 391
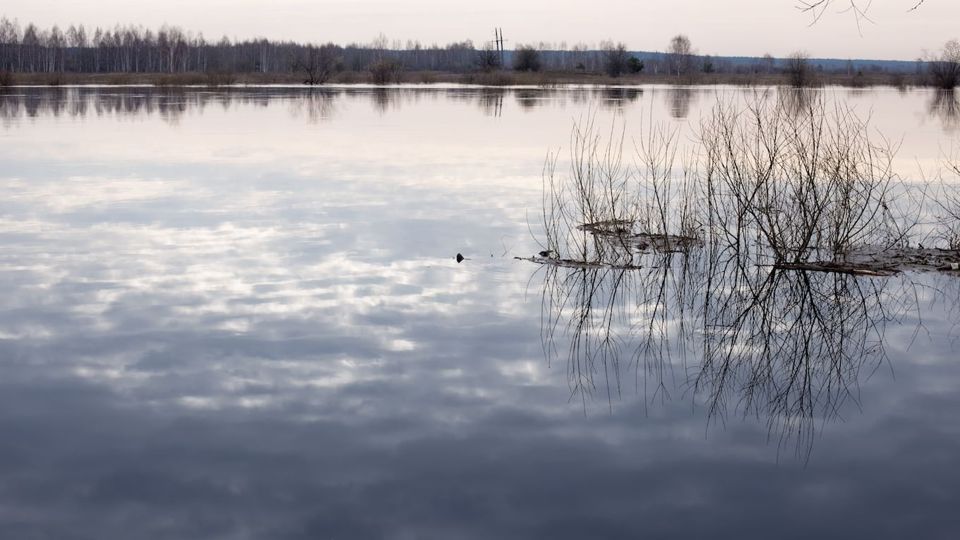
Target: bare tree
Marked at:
488, 58
680, 55
9, 45
582, 57
859, 8
944, 70
386, 71
798, 70
768, 63
615, 58
318, 63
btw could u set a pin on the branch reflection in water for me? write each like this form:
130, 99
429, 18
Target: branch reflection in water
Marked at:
702, 274
945, 107
787, 347
679, 100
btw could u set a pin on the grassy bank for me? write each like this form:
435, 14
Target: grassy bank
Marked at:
497, 78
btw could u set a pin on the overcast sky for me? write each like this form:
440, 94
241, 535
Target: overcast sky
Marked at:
721, 27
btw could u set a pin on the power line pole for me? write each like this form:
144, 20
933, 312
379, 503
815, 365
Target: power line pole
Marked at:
498, 42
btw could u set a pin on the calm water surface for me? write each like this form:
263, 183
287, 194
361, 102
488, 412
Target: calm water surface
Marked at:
238, 315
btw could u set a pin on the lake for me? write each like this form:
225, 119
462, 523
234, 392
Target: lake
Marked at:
238, 314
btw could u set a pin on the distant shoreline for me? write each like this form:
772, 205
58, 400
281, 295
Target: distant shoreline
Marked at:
496, 78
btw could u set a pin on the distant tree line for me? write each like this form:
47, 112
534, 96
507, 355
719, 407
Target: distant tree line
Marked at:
134, 49
169, 49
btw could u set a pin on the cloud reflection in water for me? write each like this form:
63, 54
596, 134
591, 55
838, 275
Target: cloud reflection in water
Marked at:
244, 324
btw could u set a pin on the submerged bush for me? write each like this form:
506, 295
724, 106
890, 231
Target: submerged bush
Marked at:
810, 182
607, 207
386, 71
798, 70
784, 180
944, 70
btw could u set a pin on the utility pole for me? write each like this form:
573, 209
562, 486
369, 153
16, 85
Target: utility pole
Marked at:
498, 43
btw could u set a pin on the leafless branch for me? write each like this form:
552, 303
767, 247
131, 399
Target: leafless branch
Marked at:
859, 9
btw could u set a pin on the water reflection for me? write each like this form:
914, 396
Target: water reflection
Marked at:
716, 280
789, 348
796, 100
529, 98
618, 97
945, 106
679, 100
317, 105
491, 101
250, 325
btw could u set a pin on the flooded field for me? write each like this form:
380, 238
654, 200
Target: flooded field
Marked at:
239, 313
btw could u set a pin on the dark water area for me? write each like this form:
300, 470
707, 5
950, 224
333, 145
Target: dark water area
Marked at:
237, 314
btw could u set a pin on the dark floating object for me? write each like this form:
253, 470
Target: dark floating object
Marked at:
570, 263
460, 258
548, 253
